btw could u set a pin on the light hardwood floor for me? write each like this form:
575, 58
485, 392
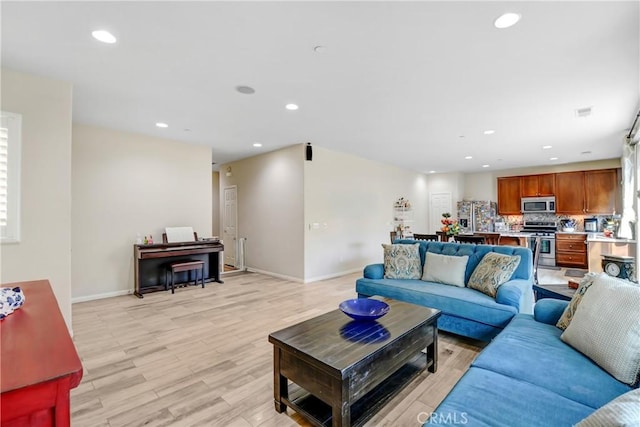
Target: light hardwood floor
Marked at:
201, 356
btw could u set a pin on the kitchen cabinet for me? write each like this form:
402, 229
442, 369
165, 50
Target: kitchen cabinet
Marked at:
570, 193
537, 185
571, 250
509, 190
588, 192
603, 191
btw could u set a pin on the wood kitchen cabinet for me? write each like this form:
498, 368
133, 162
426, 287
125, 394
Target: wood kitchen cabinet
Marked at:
602, 191
509, 190
537, 185
588, 192
571, 250
570, 193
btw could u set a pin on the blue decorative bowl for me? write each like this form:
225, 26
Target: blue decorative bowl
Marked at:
364, 309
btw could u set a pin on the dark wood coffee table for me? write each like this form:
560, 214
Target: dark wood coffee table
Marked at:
342, 371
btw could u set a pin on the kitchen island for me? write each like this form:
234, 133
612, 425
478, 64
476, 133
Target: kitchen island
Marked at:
598, 245
515, 238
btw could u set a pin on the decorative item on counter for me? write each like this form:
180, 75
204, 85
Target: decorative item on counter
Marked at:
150, 239
146, 241
11, 299
138, 239
568, 225
449, 226
609, 226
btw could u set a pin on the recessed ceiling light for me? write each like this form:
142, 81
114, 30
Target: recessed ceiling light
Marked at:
162, 125
547, 147
485, 166
553, 158
432, 171
246, 90
103, 36
489, 132
468, 157
507, 20
320, 49
586, 152
291, 107
187, 130
257, 144
461, 136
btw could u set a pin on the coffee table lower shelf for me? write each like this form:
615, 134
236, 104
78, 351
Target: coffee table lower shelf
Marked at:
318, 412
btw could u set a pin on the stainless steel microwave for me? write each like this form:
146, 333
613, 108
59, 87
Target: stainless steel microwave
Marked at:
538, 204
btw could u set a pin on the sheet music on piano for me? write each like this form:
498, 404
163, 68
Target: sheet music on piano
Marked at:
179, 234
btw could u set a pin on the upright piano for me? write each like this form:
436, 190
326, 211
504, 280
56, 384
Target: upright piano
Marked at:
151, 261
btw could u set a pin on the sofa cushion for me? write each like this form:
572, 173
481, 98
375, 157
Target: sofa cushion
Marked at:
462, 302
532, 351
622, 411
494, 270
445, 269
486, 398
568, 313
606, 327
402, 261
475, 253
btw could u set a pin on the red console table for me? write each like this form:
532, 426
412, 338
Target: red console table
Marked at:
39, 364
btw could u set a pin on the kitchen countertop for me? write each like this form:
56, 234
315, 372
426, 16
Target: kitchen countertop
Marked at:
515, 234
598, 237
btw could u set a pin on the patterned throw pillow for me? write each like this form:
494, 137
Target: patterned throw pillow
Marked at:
622, 411
606, 327
493, 270
402, 261
568, 313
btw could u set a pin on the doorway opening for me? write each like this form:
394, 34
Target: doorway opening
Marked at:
230, 230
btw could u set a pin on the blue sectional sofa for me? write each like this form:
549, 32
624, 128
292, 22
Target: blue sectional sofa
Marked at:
528, 376
465, 311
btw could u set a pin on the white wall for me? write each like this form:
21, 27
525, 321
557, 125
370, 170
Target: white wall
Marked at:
124, 184
45, 248
270, 210
348, 210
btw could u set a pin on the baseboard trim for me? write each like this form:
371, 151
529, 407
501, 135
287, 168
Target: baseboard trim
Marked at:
100, 296
332, 275
279, 276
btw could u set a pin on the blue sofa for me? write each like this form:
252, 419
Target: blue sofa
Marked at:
465, 311
528, 376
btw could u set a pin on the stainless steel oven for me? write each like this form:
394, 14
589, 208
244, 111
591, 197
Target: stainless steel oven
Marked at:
547, 249
546, 231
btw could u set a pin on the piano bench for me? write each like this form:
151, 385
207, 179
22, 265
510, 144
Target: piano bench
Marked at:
177, 267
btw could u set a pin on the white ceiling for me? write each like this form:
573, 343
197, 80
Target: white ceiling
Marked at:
413, 84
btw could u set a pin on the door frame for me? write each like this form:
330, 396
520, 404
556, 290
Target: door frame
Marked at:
224, 216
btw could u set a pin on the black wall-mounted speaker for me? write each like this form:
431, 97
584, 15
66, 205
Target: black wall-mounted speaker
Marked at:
309, 153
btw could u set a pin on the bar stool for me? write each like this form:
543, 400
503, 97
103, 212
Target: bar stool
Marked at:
177, 267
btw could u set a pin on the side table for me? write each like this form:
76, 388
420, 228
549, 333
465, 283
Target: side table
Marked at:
557, 291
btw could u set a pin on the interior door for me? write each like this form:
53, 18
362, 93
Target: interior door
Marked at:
229, 225
439, 203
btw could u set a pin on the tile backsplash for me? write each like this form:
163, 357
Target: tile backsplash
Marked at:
515, 222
